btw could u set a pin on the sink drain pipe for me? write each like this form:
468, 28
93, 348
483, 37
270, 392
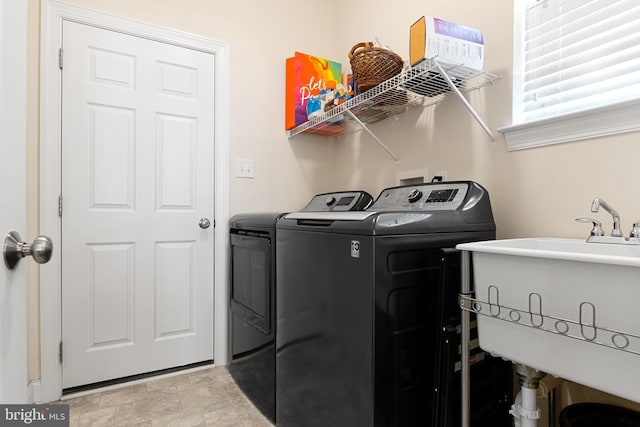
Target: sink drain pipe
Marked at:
525, 409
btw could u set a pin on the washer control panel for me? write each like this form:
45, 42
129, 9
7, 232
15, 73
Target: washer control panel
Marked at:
339, 201
423, 197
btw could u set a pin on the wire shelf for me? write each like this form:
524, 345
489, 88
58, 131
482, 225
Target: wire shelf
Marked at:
419, 86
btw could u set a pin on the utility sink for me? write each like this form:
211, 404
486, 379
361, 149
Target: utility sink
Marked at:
562, 306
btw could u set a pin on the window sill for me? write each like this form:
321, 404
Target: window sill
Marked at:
604, 121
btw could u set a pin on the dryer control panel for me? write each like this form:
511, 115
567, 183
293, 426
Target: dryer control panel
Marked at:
424, 197
341, 201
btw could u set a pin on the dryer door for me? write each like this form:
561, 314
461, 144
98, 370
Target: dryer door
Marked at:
251, 280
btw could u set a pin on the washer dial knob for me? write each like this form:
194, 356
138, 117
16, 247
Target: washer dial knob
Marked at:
414, 195
330, 200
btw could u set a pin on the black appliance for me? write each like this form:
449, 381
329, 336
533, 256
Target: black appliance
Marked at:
367, 314
252, 306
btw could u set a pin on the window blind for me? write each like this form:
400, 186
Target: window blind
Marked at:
577, 55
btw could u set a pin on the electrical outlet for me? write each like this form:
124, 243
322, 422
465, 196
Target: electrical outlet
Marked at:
441, 173
244, 168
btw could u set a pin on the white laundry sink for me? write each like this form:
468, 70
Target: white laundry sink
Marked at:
562, 306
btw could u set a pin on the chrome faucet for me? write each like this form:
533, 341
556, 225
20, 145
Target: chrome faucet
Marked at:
595, 207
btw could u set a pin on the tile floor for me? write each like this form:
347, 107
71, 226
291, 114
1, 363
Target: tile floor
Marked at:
206, 397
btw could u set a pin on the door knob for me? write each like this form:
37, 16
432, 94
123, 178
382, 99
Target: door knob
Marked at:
14, 249
204, 223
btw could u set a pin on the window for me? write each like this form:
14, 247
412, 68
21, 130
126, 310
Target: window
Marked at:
576, 70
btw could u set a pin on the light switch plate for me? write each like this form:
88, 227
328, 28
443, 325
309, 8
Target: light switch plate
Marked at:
244, 168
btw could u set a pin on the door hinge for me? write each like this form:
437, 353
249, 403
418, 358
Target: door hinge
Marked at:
60, 58
60, 352
60, 205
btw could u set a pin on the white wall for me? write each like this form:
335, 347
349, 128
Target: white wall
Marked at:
260, 36
536, 192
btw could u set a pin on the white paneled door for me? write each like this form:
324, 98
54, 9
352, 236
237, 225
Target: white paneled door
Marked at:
137, 162
13, 212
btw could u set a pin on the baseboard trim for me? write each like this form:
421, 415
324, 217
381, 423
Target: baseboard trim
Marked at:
34, 392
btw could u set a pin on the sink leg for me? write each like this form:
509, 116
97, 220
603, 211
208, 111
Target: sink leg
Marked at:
525, 409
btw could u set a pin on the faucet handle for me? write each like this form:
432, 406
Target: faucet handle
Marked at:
635, 231
597, 226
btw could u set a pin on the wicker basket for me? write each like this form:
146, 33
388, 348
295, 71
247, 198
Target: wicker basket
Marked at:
372, 65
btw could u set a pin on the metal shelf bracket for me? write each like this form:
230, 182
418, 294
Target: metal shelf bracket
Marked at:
473, 112
373, 135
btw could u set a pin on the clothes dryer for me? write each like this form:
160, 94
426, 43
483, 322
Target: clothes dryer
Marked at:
253, 294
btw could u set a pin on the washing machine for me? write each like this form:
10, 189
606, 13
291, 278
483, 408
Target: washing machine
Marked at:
367, 314
253, 294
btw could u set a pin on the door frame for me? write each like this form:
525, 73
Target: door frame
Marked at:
54, 12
